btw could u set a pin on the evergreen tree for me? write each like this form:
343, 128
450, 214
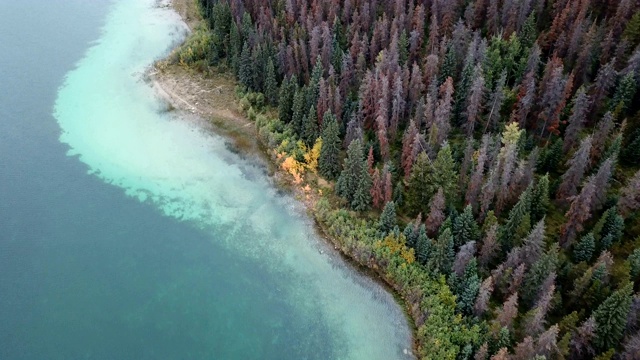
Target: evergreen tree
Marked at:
634, 263
310, 127
535, 277
611, 318
444, 175
287, 93
418, 193
245, 69
577, 167
585, 248
423, 246
330, 152
388, 217
362, 199
625, 91
354, 164
298, 110
271, 84
540, 198
465, 228
517, 215
610, 228
441, 258
468, 288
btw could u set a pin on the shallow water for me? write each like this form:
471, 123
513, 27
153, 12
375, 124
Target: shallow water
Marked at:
149, 239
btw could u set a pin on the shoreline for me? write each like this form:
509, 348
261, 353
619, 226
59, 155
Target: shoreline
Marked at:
196, 97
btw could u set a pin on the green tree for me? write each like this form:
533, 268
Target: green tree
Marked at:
540, 199
444, 175
539, 271
388, 217
349, 179
271, 84
287, 93
468, 288
441, 258
634, 263
423, 246
465, 227
624, 93
310, 127
298, 110
518, 214
418, 188
585, 248
611, 318
314, 83
245, 69
329, 161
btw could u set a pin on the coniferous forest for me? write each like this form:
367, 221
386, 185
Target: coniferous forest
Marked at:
482, 155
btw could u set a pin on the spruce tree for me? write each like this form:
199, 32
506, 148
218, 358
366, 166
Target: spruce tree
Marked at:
444, 175
625, 91
329, 161
245, 68
540, 199
310, 127
611, 318
538, 273
518, 213
362, 199
287, 93
585, 248
441, 258
634, 263
298, 110
468, 288
271, 84
349, 179
465, 228
418, 189
423, 246
388, 217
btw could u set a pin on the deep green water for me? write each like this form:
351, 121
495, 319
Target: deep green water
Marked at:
127, 233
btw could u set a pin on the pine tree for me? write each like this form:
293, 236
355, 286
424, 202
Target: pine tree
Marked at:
442, 256
634, 263
630, 196
585, 248
468, 288
298, 110
310, 127
516, 216
611, 318
577, 119
540, 198
330, 152
625, 91
484, 295
423, 246
271, 84
577, 167
436, 212
444, 175
354, 164
418, 193
362, 198
245, 73
579, 212
388, 217
465, 228
536, 276
287, 92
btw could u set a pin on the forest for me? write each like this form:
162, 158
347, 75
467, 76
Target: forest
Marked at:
482, 155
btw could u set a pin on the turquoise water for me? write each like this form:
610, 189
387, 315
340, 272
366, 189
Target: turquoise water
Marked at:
128, 233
